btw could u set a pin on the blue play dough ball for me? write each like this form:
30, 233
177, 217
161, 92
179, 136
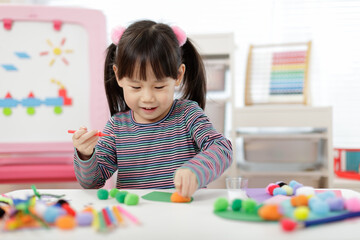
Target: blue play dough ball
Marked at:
52, 213
279, 191
326, 195
84, 218
320, 208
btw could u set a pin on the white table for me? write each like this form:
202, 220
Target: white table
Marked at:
179, 221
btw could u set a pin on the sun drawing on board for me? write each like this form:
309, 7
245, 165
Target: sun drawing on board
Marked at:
58, 52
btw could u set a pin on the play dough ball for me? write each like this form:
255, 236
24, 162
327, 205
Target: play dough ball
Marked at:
221, 204
289, 191
279, 191
120, 196
288, 224
249, 205
352, 204
300, 200
103, 194
236, 205
270, 212
336, 204
84, 218
320, 207
66, 222
308, 191
271, 188
176, 197
301, 213
131, 199
52, 213
113, 192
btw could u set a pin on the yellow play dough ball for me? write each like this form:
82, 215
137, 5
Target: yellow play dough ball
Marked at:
301, 213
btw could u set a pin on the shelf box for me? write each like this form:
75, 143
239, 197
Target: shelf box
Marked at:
347, 163
215, 74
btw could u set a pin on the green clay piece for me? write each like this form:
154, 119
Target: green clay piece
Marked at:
249, 206
241, 216
7, 111
113, 192
120, 196
236, 205
30, 110
221, 204
57, 110
103, 194
131, 199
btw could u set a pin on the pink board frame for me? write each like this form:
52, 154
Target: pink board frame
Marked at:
94, 23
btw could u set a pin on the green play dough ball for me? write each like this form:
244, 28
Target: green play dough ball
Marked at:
120, 196
113, 192
131, 199
249, 205
236, 205
103, 194
221, 204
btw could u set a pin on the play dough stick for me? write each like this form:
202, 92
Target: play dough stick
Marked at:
95, 223
128, 215
117, 215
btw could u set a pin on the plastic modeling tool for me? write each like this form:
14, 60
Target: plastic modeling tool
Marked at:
100, 134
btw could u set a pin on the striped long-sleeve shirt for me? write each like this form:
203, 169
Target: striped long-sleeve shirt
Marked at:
147, 155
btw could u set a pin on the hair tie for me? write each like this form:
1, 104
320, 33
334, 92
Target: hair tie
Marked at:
180, 35
116, 34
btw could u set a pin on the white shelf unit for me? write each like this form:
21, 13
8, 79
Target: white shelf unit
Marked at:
218, 49
275, 117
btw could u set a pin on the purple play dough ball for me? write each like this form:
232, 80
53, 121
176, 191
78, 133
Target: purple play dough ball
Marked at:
84, 218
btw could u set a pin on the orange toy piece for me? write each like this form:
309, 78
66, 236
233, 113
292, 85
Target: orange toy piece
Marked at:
300, 200
176, 197
270, 212
66, 222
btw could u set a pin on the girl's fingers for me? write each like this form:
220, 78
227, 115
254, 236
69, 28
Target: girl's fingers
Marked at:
177, 183
185, 186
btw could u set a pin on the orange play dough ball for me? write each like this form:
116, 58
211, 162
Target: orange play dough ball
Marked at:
176, 197
66, 222
270, 212
300, 200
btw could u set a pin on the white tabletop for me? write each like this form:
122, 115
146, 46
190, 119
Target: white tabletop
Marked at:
162, 220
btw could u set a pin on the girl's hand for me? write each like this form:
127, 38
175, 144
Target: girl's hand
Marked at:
185, 182
85, 142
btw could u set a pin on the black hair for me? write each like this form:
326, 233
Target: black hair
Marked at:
146, 42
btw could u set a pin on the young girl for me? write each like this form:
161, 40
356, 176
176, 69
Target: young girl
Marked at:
159, 142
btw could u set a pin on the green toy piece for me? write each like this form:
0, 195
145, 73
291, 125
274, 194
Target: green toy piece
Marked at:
131, 199
103, 194
249, 206
120, 196
221, 204
113, 192
236, 205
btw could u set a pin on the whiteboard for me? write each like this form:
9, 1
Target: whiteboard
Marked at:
51, 76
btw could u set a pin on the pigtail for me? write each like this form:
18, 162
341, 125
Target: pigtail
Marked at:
114, 93
194, 81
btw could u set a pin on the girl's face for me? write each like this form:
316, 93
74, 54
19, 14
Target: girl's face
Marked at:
152, 99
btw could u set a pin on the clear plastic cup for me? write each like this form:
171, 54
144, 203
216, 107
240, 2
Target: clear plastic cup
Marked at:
236, 187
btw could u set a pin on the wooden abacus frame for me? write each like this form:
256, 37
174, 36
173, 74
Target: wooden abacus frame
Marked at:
248, 80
